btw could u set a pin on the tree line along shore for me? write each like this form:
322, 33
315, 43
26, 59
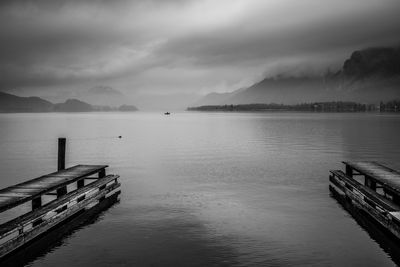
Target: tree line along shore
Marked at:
334, 106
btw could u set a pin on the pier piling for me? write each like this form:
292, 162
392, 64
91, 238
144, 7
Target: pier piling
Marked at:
61, 153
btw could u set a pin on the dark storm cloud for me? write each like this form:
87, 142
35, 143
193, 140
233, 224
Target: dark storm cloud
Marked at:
200, 45
238, 43
51, 42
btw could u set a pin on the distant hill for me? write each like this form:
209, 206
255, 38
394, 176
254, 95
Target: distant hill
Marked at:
310, 107
127, 108
73, 105
103, 96
368, 76
12, 103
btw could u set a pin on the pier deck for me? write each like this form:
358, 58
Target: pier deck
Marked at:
15, 195
378, 195
34, 215
67, 202
389, 178
367, 192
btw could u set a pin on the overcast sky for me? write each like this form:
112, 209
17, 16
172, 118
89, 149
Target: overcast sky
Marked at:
175, 46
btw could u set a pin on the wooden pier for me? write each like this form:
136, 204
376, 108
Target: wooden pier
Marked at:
73, 190
373, 188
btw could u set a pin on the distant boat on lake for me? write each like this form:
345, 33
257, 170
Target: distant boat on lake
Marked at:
167, 113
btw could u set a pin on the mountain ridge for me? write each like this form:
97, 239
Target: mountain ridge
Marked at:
13, 104
369, 75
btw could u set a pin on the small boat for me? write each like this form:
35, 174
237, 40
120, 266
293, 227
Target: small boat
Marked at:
167, 113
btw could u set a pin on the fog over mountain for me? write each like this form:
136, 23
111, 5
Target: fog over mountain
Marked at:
168, 53
103, 95
369, 75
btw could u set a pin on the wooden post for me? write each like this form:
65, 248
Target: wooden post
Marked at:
349, 171
370, 183
81, 183
102, 173
396, 198
61, 191
36, 203
61, 154
61, 164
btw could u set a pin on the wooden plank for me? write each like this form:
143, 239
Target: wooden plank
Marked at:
29, 234
10, 225
4, 200
396, 214
375, 197
46, 183
24, 190
358, 196
389, 178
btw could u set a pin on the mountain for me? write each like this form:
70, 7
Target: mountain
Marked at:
103, 95
378, 62
369, 75
12, 103
73, 105
217, 98
127, 108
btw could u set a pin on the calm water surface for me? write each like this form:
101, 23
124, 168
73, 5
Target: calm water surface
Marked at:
234, 189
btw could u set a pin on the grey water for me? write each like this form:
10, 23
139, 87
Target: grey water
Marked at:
209, 189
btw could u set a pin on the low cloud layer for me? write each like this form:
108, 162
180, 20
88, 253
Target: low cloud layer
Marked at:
177, 46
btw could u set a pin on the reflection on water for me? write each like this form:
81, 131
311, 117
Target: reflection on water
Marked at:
199, 189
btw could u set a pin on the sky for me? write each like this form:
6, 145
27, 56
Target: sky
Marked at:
181, 47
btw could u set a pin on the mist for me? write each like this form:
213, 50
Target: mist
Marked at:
177, 50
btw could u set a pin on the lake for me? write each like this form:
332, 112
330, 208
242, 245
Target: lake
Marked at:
208, 189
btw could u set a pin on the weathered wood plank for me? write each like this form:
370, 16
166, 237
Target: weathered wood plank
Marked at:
4, 200
375, 197
10, 225
29, 234
382, 210
384, 175
24, 190
44, 184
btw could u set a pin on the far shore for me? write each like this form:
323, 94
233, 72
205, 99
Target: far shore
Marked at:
339, 106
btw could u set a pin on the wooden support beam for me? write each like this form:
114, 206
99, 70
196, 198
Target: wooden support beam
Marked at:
91, 178
370, 183
102, 173
61, 154
396, 199
61, 191
81, 183
349, 170
36, 203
